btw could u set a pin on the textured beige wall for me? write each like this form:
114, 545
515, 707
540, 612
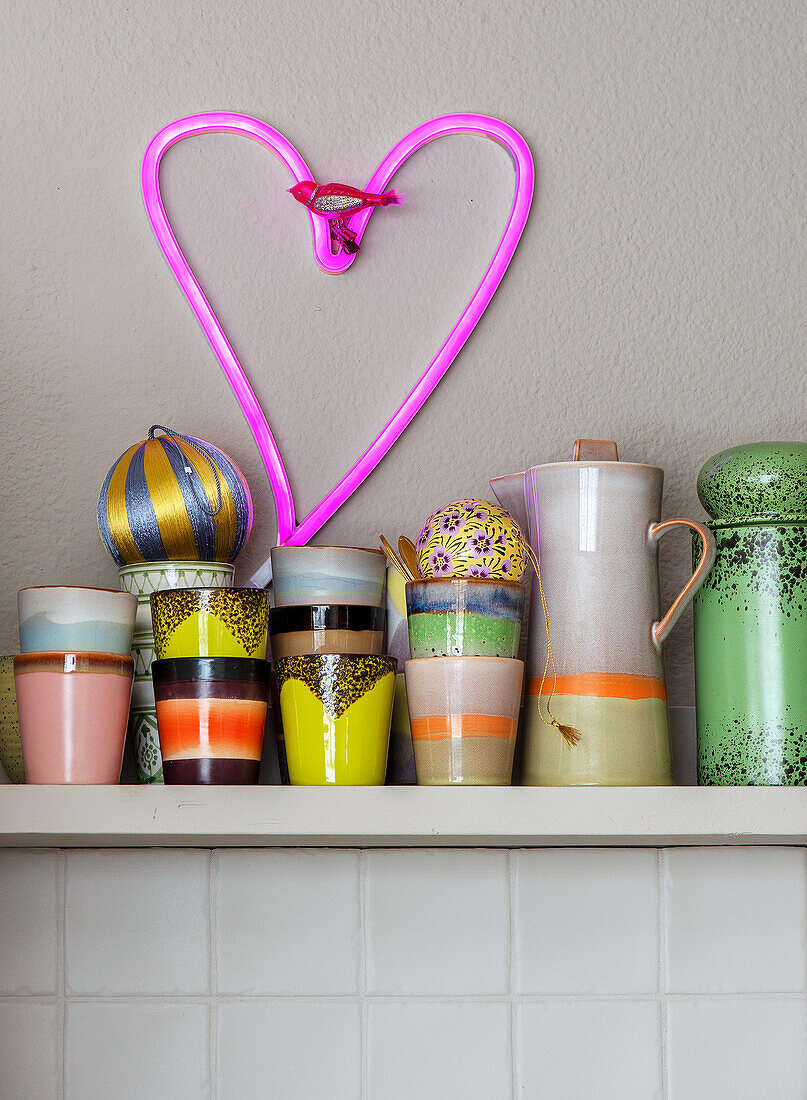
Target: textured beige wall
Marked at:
657, 296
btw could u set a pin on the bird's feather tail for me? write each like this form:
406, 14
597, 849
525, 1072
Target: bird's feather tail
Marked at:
392, 198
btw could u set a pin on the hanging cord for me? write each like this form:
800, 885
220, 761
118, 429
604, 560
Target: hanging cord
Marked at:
174, 436
570, 735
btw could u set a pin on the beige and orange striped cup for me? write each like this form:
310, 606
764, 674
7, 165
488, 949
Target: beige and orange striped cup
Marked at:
463, 712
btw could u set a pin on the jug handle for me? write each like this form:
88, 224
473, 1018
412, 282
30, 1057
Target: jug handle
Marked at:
660, 630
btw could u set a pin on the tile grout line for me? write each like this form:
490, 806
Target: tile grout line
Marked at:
662, 970
397, 998
512, 869
212, 975
61, 1019
363, 1006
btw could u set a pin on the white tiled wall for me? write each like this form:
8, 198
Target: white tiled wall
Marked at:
313, 974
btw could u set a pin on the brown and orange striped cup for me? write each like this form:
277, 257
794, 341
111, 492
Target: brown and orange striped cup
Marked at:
463, 712
211, 716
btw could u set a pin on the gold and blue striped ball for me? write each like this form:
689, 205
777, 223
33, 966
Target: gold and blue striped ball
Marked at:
157, 501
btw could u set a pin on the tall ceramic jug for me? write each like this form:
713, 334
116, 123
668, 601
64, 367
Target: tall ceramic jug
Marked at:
598, 534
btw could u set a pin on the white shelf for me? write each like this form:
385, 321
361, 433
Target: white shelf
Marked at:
139, 816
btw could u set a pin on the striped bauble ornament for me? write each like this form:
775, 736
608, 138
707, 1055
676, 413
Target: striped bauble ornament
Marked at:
173, 497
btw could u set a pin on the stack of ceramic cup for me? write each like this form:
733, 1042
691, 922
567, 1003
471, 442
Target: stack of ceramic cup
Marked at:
211, 682
335, 685
141, 580
73, 681
463, 682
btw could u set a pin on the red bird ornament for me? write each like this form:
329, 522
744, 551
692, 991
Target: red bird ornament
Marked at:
338, 202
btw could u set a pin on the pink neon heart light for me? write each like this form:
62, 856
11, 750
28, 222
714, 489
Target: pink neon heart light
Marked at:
289, 531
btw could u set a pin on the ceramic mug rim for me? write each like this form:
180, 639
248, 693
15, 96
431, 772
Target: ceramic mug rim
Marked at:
334, 616
170, 593
365, 549
169, 670
462, 657
320, 658
178, 564
468, 580
593, 464
73, 588
88, 656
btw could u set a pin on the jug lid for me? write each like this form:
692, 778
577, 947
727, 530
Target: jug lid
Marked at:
595, 450
755, 481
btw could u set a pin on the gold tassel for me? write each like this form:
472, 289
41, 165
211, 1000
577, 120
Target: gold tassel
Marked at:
570, 735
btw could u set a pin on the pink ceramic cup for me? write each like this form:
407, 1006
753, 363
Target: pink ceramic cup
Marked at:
73, 709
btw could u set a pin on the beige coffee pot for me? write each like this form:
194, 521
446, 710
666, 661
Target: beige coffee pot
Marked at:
595, 524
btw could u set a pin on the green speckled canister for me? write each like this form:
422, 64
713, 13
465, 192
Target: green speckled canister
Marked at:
751, 619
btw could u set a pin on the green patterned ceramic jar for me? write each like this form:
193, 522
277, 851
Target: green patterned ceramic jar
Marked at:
751, 619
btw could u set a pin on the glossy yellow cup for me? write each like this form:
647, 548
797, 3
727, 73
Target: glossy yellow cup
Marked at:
210, 622
337, 710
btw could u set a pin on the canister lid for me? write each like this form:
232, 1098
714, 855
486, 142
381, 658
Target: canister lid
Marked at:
756, 481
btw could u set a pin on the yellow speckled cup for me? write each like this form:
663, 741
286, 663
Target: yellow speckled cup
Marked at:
337, 710
210, 622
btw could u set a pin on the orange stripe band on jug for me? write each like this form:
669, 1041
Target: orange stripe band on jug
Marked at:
609, 685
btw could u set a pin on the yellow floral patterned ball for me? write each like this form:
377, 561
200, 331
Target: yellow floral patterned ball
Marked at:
471, 538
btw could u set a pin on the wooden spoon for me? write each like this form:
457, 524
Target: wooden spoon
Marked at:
394, 560
409, 556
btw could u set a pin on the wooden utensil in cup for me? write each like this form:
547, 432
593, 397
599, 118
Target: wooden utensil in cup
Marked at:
409, 556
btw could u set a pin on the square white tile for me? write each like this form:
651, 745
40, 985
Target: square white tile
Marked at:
736, 920
297, 1050
742, 1049
578, 1050
452, 1050
28, 922
586, 921
137, 922
136, 1051
28, 1051
437, 922
288, 921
